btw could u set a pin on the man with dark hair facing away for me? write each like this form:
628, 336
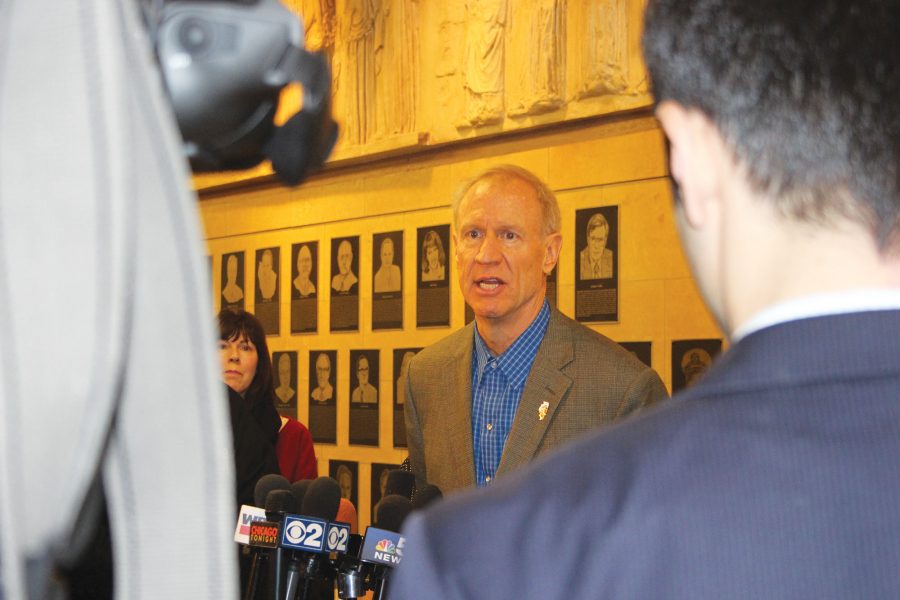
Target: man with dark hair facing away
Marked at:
778, 474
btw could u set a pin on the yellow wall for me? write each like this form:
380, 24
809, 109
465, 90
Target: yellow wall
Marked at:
607, 161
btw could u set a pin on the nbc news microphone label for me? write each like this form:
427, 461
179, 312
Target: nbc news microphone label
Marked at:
382, 547
304, 533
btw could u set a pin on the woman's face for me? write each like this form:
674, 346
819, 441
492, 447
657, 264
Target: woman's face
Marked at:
433, 257
239, 359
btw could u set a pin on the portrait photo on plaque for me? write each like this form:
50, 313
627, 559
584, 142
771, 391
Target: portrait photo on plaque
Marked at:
345, 284
378, 483
346, 473
433, 276
596, 264
641, 351
304, 284
285, 366
387, 280
691, 359
232, 281
364, 397
402, 356
323, 396
267, 304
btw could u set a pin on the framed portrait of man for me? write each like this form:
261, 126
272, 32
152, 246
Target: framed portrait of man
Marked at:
232, 282
596, 264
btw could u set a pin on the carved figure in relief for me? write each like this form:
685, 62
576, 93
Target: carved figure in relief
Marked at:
318, 22
396, 66
535, 68
483, 64
354, 69
602, 67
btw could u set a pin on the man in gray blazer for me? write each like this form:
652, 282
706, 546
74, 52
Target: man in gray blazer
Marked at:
777, 475
522, 378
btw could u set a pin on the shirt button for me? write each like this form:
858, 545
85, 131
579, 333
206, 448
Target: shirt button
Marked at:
493, 365
487, 479
490, 426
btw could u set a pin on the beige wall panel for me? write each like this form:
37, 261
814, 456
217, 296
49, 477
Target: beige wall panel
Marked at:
648, 243
628, 157
686, 315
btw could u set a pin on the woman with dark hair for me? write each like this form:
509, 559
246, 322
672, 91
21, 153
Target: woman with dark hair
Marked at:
247, 371
433, 257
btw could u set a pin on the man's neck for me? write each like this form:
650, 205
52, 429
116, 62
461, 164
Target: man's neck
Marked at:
499, 334
805, 261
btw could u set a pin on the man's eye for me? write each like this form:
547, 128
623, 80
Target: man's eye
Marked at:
472, 234
508, 236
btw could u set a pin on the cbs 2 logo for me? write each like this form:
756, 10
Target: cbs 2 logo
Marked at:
308, 534
337, 538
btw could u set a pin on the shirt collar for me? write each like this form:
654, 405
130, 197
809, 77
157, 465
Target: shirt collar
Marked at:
516, 361
820, 305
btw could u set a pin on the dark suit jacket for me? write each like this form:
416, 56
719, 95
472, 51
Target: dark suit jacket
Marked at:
586, 380
777, 476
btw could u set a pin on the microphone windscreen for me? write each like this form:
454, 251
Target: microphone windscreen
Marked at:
299, 489
266, 484
391, 512
400, 483
322, 500
426, 495
281, 501
347, 514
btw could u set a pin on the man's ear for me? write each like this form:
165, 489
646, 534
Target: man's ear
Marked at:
552, 245
695, 155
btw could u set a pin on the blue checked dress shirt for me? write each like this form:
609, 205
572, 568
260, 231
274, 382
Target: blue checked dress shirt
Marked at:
497, 384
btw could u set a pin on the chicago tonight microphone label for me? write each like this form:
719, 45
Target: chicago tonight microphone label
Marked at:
264, 534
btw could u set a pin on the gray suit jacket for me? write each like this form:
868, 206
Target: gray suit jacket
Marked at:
586, 379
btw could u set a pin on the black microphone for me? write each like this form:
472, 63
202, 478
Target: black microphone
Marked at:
311, 537
391, 511
382, 546
266, 484
426, 495
400, 483
299, 489
278, 504
260, 546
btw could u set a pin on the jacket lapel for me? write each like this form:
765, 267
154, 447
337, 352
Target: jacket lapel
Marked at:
545, 384
458, 392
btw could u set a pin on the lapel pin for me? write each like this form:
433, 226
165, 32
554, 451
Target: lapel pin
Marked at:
542, 411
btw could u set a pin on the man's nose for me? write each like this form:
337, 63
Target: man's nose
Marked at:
489, 250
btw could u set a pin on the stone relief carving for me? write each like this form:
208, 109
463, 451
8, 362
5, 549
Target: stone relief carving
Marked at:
492, 58
535, 67
318, 23
601, 67
396, 46
483, 62
354, 69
